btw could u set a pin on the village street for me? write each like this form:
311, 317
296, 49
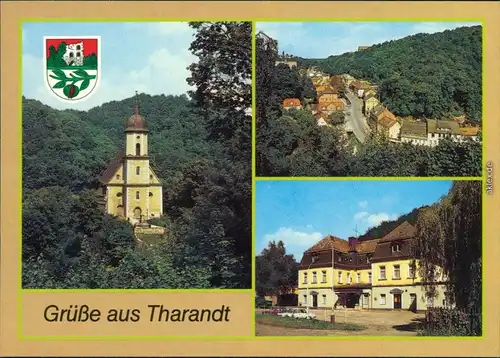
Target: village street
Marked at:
354, 117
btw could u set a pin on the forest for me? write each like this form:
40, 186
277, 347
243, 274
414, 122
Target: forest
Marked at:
448, 236
291, 144
425, 75
200, 147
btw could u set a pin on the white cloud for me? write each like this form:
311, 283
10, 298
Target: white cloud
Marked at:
373, 219
363, 204
359, 216
296, 242
161, 67
164, 73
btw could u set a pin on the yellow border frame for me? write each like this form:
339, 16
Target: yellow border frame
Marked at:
481, 178
254, 179
113, 291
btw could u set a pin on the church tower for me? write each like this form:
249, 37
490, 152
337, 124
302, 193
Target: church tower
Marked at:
132, 189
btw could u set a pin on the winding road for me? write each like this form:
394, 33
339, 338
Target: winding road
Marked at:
354, 117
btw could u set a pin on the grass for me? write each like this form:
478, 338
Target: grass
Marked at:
287, 322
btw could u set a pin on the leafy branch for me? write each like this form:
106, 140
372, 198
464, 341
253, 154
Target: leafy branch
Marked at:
75, 77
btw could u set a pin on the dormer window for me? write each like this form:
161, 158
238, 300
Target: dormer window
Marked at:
396, 248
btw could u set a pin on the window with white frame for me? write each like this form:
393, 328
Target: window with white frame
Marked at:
324, 299
411, 273
396, 248
369, 277
382, 299
382, 273
396, 273
323, 276
314, 279
358, 277
340, 276
349, 279
305, 299
305, 277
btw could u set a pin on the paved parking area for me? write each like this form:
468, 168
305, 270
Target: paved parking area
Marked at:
378, 323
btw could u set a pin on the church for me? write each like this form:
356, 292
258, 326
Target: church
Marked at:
130, 186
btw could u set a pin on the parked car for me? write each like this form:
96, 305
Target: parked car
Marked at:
297, 313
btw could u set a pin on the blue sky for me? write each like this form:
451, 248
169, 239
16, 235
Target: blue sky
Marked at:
322, 39
300, 213
149, 57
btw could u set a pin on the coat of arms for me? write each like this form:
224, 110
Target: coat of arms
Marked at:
72, 66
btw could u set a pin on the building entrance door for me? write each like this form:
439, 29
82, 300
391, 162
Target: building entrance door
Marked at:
413, 302
397, 301
315, 300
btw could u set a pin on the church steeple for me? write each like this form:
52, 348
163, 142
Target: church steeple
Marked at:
136, 105
136, 123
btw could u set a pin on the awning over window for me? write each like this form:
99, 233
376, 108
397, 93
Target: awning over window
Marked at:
396, 291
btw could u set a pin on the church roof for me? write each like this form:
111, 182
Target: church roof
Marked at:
136, 122
113, 167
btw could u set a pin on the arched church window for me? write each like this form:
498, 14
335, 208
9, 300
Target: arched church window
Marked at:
137, 149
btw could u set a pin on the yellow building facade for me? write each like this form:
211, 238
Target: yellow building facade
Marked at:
131, 188
372, 274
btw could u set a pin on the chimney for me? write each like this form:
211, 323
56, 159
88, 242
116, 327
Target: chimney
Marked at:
352, 243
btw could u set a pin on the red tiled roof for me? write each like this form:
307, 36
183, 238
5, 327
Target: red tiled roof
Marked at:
364, 247
330, 242
291, 102
403, 231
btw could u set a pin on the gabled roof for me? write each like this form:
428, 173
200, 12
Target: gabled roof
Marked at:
112, 168
330, 242
403, 231
364, 247
387, 122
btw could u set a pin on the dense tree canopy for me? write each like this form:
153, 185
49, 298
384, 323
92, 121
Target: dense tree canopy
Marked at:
424, 75
69, 242
276, 271
449, 236
289, 143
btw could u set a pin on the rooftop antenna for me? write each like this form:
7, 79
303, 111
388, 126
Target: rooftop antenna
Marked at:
356, 231
136, 106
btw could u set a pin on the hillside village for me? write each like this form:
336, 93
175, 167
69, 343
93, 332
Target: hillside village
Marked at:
357, 102
364, 113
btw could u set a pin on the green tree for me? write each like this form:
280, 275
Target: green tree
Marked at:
275, 270
449, 236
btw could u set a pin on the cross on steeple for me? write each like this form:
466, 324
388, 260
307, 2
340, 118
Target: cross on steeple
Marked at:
136, 106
